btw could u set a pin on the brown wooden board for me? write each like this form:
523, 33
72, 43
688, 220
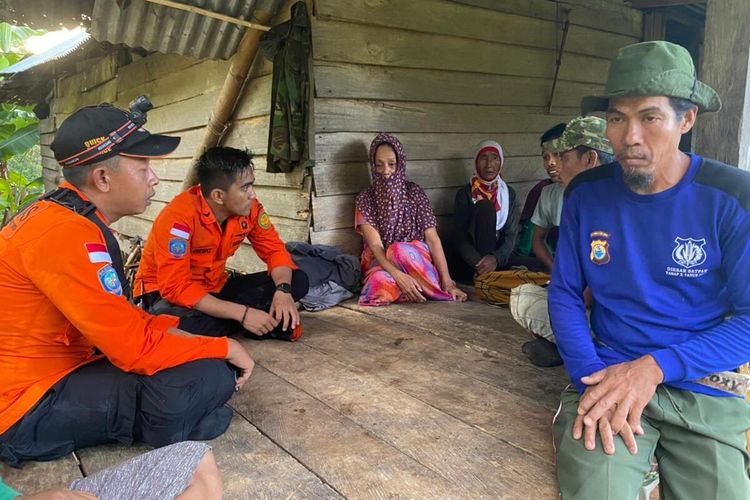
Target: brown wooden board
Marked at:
363, 44
491, 353
357, 81
450, 18
195, 111
201, 78
152, 67
347, 239
477, 462
349, 458
348, 115
508, 416
68, 103
614, 17
89, 74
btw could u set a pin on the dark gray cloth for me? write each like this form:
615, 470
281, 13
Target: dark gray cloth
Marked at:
159, 474
324, 263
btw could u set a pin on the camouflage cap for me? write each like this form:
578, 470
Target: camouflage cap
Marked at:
582, 131
655, 68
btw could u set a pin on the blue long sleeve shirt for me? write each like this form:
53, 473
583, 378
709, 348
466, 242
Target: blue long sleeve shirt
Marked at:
669, 273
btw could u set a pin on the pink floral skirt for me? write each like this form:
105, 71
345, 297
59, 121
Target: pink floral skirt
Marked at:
413, 258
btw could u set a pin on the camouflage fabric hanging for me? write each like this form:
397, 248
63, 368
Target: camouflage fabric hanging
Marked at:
289, 46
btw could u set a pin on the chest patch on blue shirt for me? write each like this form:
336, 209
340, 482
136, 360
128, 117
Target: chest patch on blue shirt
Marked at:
688, 254
177, 248
109, 280
599, 248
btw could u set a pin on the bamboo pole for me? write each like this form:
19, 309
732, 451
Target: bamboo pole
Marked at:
230, 93
209, 13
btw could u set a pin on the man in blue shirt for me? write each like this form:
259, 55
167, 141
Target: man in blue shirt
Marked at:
662, 240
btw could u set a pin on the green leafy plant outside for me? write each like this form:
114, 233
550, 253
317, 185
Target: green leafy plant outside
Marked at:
19, 135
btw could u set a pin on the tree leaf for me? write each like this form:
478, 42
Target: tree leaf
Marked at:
20, 142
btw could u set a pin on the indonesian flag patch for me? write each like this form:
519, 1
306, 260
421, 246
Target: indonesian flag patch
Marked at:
180, 230
98, 253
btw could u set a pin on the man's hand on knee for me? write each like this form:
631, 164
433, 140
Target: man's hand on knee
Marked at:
604, 428
622, 391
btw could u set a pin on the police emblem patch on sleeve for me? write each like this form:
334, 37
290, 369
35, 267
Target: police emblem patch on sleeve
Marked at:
263, 221
177, 248
109, 280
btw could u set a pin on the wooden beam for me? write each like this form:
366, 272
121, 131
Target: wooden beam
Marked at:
650, 4
211, 14
725, 135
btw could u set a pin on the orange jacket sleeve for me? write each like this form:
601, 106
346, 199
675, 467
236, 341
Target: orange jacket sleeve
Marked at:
83, 287
265, 240
173, 272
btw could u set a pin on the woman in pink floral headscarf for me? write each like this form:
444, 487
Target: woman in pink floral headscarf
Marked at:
402, 259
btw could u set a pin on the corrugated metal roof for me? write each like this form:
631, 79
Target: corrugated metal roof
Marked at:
57, 52
141, 24
158, 28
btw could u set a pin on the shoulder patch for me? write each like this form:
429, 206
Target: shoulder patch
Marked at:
180, 230
178, 247
263, 221
109, 280
98, 253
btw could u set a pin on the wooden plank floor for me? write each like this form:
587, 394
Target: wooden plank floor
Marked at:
429, 400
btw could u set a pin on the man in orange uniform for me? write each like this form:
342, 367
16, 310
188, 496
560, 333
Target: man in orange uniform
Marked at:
182, 270
80, 365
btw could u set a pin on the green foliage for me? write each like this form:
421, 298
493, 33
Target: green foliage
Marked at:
28, 164
16, 193
19, 129
12, 38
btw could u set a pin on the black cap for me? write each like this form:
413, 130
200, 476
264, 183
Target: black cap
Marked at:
95, 133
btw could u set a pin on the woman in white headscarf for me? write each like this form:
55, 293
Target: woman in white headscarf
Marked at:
486, 214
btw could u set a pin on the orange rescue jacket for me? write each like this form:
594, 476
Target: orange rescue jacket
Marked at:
186, 252
62, 299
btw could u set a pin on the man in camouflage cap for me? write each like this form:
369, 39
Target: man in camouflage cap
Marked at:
662, 240
582, 146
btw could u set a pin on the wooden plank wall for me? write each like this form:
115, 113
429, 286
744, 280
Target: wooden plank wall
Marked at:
443, 75
184, 91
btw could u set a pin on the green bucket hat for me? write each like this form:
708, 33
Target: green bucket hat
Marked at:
582, 131
653, 69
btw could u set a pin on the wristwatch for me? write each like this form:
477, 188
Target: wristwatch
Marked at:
284, 287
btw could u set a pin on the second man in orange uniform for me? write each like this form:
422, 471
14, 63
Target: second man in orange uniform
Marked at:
182, 270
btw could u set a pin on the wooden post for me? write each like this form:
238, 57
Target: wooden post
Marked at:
230, 92
725, 135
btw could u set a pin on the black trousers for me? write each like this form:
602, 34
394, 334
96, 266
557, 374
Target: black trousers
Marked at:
255, 290
99, 403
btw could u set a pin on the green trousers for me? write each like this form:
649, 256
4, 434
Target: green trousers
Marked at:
699, 442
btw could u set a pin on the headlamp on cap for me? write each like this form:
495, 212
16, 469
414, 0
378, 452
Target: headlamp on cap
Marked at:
138, 108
